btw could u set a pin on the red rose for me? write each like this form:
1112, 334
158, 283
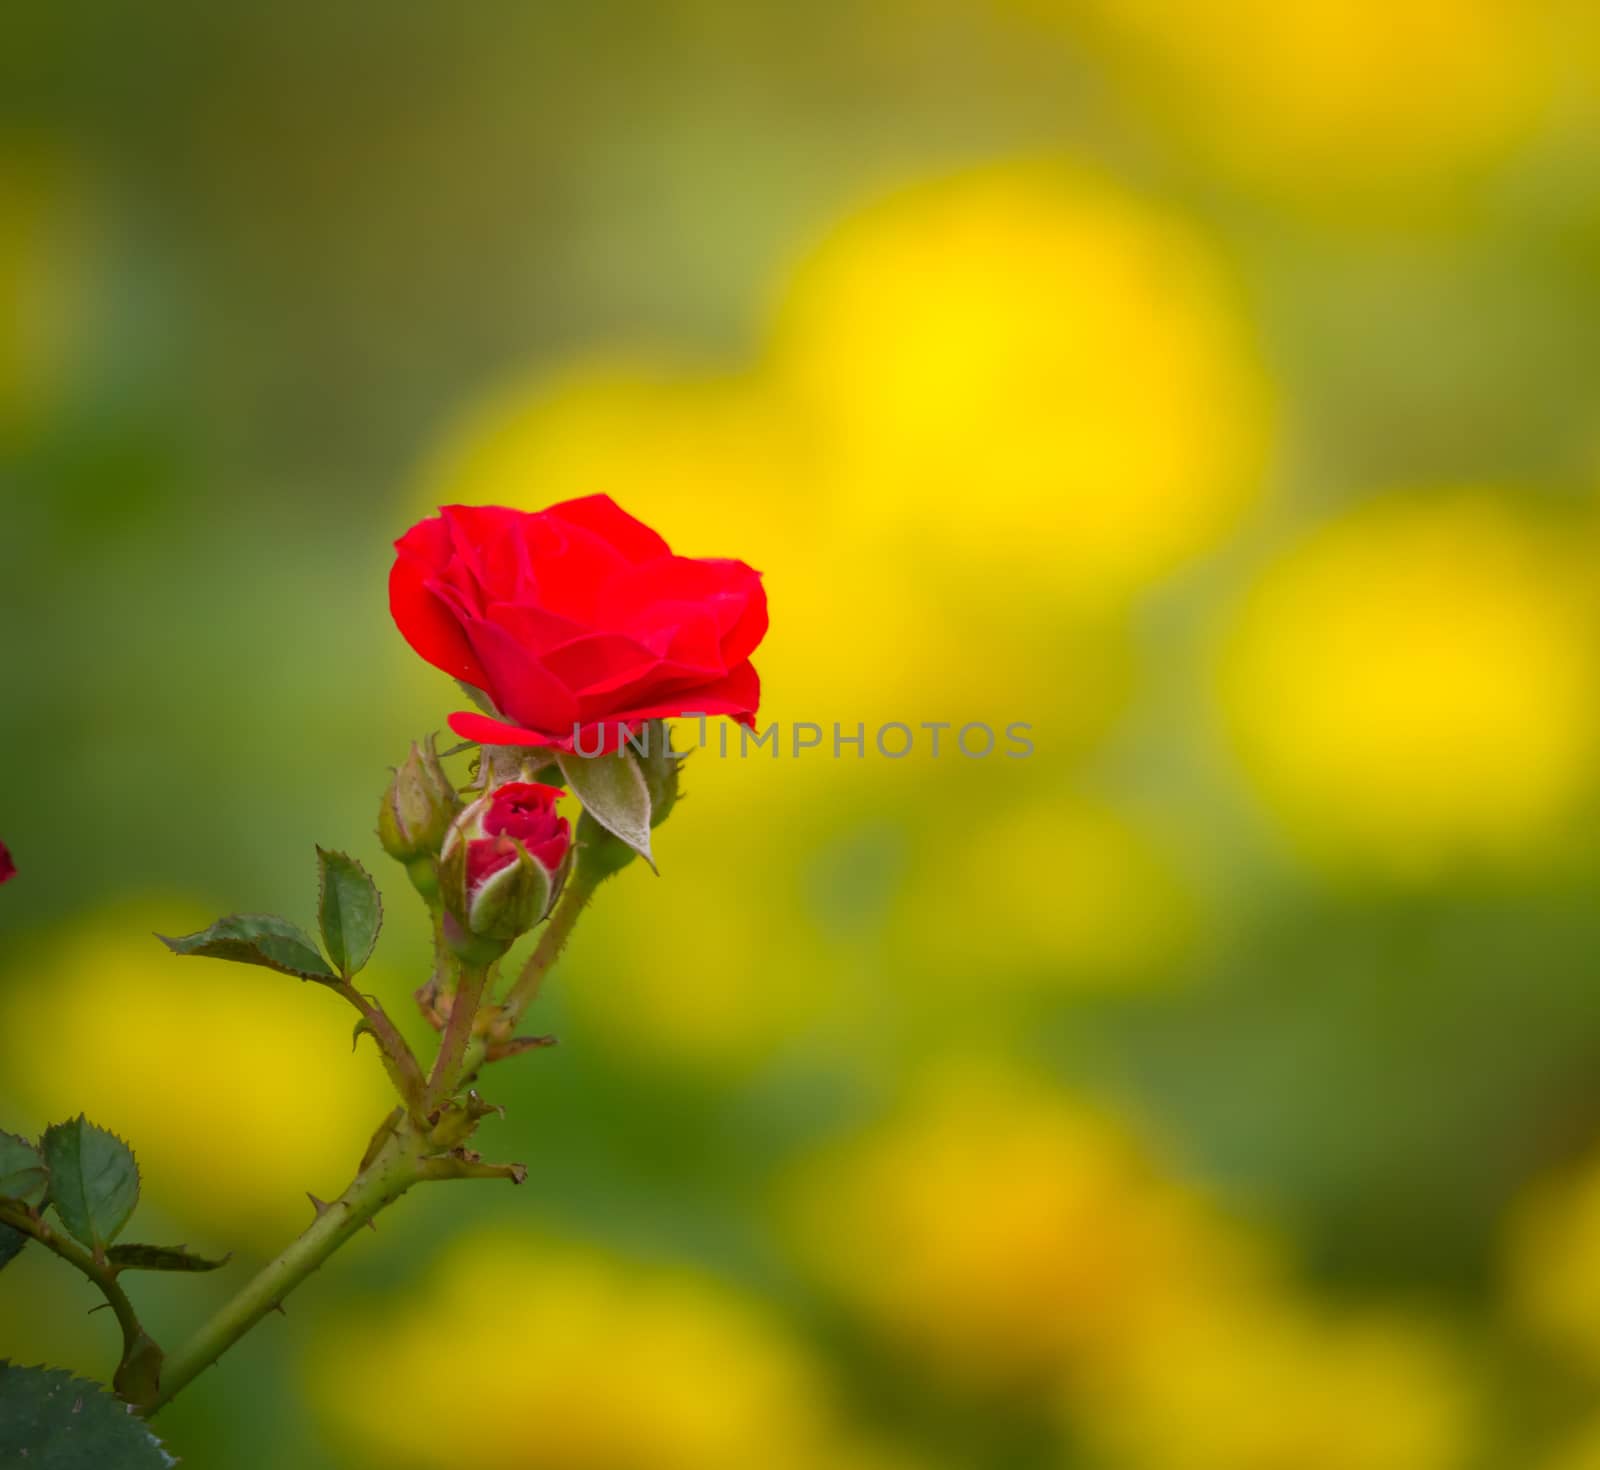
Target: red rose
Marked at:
8, 869
576, 622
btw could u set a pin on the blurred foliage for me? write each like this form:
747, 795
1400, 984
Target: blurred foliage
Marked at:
1211, 386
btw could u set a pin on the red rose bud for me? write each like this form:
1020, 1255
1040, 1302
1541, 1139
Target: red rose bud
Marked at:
8, 869
418, 807
502, 865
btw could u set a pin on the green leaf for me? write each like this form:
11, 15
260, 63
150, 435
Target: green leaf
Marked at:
94, 1181
22, 1172
348, 909
11, 1242
613, 791
50, 1420
160, 1258
257, 939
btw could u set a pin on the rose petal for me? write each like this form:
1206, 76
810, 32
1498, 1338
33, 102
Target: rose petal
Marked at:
520, 686
599, 737
488, 540
571, 569
600, 661
613, 525
535, 628
737, 694
723, 588
470, 725
743, 638
684, 632
428, 625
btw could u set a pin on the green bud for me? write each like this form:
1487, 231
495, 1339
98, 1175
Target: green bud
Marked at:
418, 807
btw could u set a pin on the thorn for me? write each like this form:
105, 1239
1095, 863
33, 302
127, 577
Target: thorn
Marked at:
278, 1308
372, 1225
100, 1308
500, 1050
321, 1206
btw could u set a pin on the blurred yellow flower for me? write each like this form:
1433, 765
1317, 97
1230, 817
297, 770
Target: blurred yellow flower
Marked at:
1553, 1261
1251, 1382
1413, 688
1062, 891
575, 1360
1326, 100
235, 1086
1025, 368
1004, 1232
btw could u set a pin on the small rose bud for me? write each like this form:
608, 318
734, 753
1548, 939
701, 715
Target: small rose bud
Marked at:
418, 807
8, 869
502, 865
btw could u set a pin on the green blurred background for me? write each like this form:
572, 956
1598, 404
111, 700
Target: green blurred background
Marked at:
1211, 385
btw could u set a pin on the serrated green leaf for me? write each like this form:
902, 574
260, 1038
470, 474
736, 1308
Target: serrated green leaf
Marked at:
22, 1174
50, 1420
257, 939
11, 1242
94, 1181
160, 1258
613, 791
348, 909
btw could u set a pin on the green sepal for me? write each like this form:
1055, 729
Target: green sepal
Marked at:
660, 764
22, 1171
349, 910
257, 939
599, 854
54, 1421
161, 1258
94, 1180
479, 698
613, 791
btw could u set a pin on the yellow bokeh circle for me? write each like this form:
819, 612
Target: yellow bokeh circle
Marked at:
1412, 689
1023, 366
1000, 1232
574, 1360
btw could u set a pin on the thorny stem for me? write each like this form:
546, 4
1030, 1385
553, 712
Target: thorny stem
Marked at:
579, 890
391, 1173
398, 1058
136, 1342
447, 1066
406, 1156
